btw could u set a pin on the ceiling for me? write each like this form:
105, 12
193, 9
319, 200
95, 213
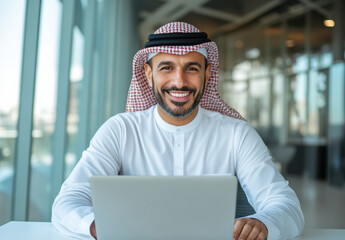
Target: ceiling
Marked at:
217, 17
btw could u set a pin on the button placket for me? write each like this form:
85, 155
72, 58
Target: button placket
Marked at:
179, 154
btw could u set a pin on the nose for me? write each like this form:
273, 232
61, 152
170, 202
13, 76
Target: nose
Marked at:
179, 78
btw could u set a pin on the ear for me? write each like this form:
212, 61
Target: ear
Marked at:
208, 73
148, 73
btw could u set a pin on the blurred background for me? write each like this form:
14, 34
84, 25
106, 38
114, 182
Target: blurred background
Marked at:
65, 67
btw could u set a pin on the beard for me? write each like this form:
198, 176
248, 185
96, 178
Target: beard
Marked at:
180, 112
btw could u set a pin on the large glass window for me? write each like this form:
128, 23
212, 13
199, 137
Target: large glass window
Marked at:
282, 79
236, 95
44, 181
275, 61
76, 88
320, 60
260, 103
298, 106
277, 108
317, 109
336, 131
44, 111
246, 83
11, 40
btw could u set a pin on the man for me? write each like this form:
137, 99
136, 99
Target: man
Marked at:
191, 131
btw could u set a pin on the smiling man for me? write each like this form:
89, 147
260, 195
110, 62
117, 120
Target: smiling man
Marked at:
177, 124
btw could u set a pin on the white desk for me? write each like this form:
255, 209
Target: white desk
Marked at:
45, 231
322, 234
30, 231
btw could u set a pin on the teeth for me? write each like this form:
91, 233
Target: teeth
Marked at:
179, 94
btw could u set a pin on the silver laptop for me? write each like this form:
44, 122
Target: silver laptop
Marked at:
164, 208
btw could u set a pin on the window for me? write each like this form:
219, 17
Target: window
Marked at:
11, 40
297, 106
76, 87
44, 110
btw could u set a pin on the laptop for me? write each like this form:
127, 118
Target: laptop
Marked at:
164, 207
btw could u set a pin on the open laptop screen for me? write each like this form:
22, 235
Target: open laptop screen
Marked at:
164, 207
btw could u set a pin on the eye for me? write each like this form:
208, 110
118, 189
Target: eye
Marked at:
192, 69
166, 68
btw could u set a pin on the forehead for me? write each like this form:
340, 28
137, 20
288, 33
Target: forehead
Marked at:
189, 57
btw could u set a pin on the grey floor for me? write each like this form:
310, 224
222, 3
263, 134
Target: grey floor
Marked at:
323, 205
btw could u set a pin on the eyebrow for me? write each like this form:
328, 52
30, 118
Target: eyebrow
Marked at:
163, 63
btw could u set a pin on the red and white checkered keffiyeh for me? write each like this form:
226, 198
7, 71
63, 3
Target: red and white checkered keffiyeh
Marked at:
140, 95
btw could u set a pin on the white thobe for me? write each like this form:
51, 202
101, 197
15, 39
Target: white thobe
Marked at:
142, 143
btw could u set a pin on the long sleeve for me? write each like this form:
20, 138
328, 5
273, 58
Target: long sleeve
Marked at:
72, 212
275, 203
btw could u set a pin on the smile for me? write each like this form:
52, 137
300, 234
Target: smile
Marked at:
179, 95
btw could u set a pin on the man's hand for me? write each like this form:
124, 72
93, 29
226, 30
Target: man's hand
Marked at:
249, 229
93, 230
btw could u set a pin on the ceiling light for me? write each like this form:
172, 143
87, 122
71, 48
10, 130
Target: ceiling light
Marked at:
329, 23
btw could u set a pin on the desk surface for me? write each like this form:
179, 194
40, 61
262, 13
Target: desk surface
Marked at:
45, 230
30, 231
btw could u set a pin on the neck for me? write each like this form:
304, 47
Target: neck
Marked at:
177, 121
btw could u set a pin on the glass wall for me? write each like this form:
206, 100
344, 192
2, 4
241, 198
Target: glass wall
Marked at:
71, 68
76, 84
296, 63
44, 110
336, 129
11, 41
277, 76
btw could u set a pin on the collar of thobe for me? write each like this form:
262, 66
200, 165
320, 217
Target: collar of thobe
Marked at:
178, 129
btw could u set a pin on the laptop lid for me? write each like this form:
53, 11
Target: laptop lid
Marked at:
164, 207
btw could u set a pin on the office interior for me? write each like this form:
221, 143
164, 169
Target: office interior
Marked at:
66, 66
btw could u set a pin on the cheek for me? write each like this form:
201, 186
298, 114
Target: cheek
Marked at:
199, 83
160, 80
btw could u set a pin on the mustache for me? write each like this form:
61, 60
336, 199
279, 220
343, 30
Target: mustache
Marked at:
174, 88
